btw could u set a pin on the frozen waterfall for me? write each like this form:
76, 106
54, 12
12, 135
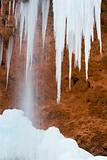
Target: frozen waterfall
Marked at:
75, 20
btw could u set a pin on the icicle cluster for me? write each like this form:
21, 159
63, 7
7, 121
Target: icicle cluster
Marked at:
74, 19
27, 13
10, 43
11, 6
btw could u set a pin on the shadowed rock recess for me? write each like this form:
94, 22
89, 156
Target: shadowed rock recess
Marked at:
82, 113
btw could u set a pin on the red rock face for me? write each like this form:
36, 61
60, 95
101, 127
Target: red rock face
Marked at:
82, 113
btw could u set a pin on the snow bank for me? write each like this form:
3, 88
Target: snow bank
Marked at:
20, 140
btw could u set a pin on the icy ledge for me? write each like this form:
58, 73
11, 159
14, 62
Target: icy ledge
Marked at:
20, 140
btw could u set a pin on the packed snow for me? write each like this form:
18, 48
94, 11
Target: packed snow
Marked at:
20, 140
75, 20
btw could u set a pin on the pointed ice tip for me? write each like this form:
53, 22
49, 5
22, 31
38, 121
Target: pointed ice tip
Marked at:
43, 43
86, 76
70, 84
6, 84
58, 100
101, 51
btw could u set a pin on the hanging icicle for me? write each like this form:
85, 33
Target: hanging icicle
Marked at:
13, 7
8, 56
10, 4
32, 22
23, 11
78, 17
27, 14
45, 11
1, 49
73, 19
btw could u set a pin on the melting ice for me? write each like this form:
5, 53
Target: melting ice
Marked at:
20, 140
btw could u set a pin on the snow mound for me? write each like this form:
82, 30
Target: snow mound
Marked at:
20, 140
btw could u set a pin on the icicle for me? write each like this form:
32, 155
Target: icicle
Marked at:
8, 56
1, 7
27, 13
80, 18
1, 49
13, 7
10, 3
17, 15
98, 21
45, 11
23, 21
69, 41
73, 19
59, 32
32, 22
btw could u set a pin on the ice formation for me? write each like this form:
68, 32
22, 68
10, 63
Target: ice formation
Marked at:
10, 3
32, 22
13, 7
45, 11
75, 20
27, 14
20, 140
9, 55
27, 94
22, 14
1, 49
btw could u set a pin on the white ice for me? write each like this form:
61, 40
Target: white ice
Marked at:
20, 140
22, 17
45, 11
27, 94
32, 23
10, 3
13, 7
27, 14
1, 49
75, 20
8, 56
